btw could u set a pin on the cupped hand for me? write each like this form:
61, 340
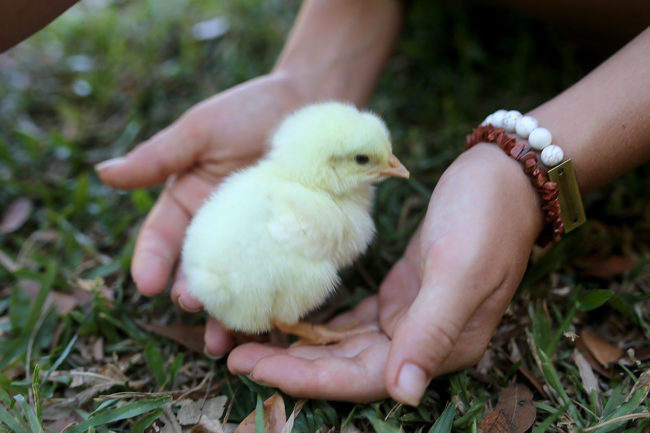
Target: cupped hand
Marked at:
438, 306
215, 137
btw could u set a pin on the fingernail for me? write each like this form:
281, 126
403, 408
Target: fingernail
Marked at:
184, 307
411, 383
258, 381
207, 353
109, 163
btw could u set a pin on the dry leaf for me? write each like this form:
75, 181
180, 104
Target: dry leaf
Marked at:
495, 422
589, 381
642, 354
190, 337
606, 267
62, 302
604, 352
16, 215
288, 427
207, 425
192, 411
595, 365
516, 403
274, 417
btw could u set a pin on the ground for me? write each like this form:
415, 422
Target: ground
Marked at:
79, 346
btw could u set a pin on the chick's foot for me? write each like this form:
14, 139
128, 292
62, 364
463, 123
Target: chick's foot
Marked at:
311, 333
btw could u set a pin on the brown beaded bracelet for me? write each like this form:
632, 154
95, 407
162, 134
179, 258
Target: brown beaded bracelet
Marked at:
527, 156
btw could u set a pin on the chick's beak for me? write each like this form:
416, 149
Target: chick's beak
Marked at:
395, 168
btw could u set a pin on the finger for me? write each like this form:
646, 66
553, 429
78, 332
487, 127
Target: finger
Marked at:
170, 151
217, 339
158, 245
427, 333
329, 377
161, 237
180, 293
242, 360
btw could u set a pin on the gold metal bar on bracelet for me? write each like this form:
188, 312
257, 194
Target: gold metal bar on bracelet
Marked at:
571, 208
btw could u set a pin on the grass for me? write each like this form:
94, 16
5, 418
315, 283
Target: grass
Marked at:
108, 74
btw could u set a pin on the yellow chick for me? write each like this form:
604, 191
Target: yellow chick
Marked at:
265, 247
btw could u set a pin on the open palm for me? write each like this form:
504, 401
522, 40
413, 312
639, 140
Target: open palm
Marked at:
214, 138
438, 306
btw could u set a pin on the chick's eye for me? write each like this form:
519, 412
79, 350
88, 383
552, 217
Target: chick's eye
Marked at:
361, 159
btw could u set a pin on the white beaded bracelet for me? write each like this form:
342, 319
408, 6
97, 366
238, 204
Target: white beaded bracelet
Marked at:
551, 155
527, 127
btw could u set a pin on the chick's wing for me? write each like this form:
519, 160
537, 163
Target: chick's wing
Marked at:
307, 223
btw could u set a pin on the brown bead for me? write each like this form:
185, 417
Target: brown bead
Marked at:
551, 195
528, 154
548, 205
549, 186
517, 149
540, 179
530, 163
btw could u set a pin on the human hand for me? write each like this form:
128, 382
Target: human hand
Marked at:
438, 306
215, 137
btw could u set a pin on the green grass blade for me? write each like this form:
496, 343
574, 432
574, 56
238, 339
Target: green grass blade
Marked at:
445, 422
259, 415
130, 410
11, 422
18, 346
36, 389
593, 299
29, 414
382, 426
553, 380
155, 362
61, 357
544, 425
146, 421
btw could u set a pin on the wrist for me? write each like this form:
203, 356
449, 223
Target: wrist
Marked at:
511, 188
337, 48
325, 82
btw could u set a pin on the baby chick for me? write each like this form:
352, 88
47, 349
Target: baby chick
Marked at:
265, 248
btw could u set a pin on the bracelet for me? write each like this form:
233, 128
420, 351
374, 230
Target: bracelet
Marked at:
557, 187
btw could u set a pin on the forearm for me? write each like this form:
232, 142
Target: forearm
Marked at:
20, 18
603, 122
337, 48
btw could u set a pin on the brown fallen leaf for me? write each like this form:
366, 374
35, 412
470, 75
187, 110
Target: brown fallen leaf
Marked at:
274, 417
190, 337
595, 365
62, 302
604, 352
15, 215
191, 411
605, 267
495, 422
514, 358
642, 354
516, 403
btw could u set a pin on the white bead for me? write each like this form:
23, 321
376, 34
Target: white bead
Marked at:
539, 138
525, 126
487, 120
510, 120
497, 118
552, 155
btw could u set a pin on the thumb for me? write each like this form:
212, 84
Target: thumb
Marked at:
170, 151
428, 331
